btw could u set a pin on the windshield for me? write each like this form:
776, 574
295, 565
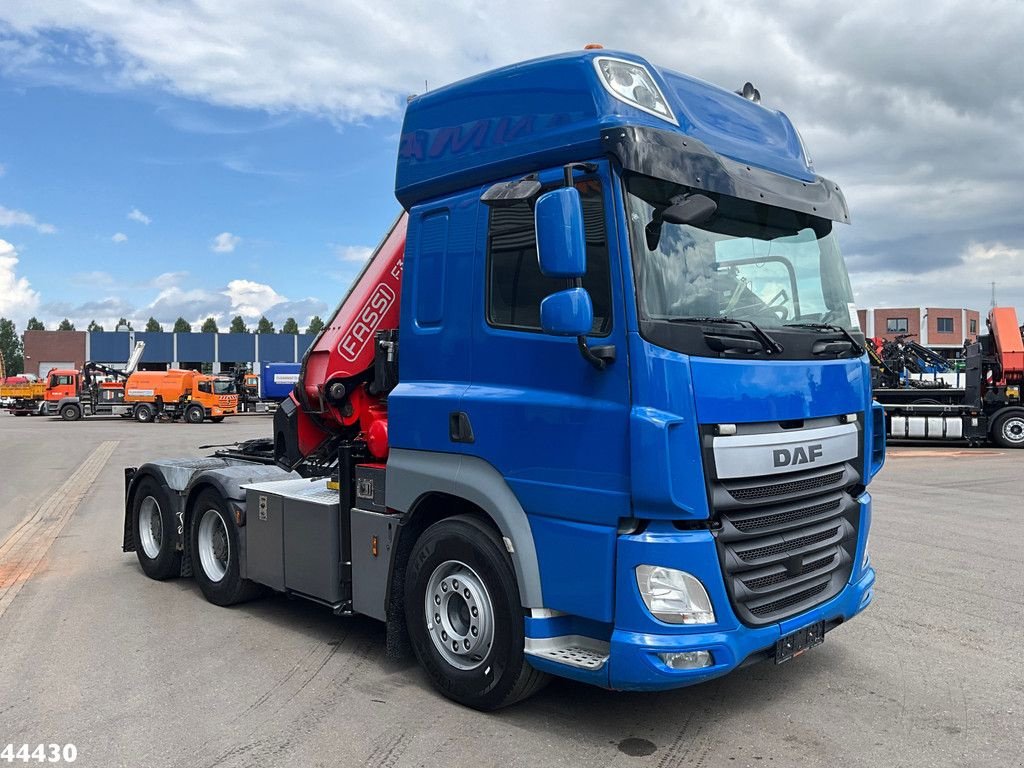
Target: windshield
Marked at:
749, 261
223, 387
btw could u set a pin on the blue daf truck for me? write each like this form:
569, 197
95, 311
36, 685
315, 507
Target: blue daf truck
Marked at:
598, 407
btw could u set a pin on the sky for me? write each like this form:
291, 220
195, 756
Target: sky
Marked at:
223, 157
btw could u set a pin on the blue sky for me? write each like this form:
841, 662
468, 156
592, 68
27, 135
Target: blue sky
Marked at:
256, 138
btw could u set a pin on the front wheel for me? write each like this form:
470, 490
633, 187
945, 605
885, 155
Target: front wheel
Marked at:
465, 617
215, 554
1008, 430
70, 413
194, 414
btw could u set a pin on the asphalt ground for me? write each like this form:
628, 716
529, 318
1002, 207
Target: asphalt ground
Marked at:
135, 672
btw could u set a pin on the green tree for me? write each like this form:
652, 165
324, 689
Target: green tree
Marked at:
181, 325
264, 325
315, 325
209, 326
93, 326
152, 326
34, 325
238, 325
123, 321
66, 325
10, 348
290, 326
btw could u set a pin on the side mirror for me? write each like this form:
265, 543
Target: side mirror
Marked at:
561, 243
567, 313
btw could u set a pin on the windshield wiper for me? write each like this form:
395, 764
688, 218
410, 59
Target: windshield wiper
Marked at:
857, 349
771, 346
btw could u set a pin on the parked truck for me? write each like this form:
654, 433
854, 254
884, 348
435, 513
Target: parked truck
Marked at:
180, 394
262, 392
22, 396
982, 404
597, 406
96, 390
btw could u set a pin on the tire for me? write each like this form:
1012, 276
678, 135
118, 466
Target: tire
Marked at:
1008, 430
194, 414
70, 413
213, 544
143, 413
154, 526
488, 669
216, 419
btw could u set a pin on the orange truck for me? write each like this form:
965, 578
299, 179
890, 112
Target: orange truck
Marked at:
190, 395
23, 397
96, 390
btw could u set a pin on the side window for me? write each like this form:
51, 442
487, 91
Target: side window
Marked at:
515, 285
204, 386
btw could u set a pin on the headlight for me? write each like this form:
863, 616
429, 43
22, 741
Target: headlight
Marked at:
630, 82
674, 596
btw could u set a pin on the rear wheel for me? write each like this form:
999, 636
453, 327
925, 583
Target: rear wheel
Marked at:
70, 413
1008, 430
143, 413
465, 617
214, 549
194, 414
154, 526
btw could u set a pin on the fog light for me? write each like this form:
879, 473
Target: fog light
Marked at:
687, 659
676, 597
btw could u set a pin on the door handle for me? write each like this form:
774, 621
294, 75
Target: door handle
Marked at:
460, 430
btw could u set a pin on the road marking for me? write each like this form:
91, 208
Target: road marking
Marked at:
24, 549
911, 454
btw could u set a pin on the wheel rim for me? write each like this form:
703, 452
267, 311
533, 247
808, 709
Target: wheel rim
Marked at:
151, 527
194, 416
459, 615
1013, 430
214, 546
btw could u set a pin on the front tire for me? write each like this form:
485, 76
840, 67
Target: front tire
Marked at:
154, 526
194, 414
214, 550
465, 618
1008, 431
70, 413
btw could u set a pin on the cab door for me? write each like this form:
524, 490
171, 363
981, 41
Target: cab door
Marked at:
555, 426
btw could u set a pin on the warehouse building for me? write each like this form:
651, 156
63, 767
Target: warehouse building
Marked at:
45, 350
939, 328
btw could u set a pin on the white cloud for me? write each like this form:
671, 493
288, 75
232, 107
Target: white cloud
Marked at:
136, 215
251, 299
17, 298
12, 218
119, 237
225, 242
354, 253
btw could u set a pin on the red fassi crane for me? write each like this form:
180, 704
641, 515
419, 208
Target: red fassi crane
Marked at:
336, 394
1008, 346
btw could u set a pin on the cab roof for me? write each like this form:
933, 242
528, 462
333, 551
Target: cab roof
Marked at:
550, 111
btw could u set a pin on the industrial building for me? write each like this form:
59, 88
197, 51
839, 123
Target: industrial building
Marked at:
45, 350
939, 328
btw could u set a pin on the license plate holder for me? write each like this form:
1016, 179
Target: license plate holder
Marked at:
796, 643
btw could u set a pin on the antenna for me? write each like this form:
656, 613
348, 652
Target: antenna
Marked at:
993, 295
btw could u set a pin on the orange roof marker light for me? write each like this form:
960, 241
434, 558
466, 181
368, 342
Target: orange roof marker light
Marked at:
593, 47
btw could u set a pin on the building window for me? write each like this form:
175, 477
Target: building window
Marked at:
896, 325
944, 324
516, 286
974, 326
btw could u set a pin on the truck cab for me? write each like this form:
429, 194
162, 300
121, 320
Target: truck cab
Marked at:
616, 423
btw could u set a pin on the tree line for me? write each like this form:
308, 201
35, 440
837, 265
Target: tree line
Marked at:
13, 351
181, 325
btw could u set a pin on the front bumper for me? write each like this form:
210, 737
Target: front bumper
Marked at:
637, 637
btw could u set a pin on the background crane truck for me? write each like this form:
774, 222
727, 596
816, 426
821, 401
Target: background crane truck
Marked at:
74, 394
597, 406
986, 407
